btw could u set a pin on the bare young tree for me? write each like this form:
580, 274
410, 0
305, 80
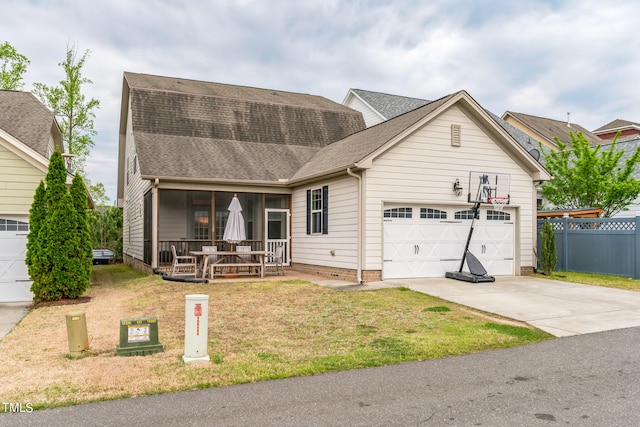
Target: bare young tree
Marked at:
74, 113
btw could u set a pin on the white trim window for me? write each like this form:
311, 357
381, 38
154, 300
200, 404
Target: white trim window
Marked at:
317, 210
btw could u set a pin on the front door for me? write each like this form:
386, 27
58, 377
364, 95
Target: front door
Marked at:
277, 232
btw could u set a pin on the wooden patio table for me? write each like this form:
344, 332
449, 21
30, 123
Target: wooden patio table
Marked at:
232, 261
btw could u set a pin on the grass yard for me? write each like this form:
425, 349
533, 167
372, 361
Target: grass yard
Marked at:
595, 280
257, 331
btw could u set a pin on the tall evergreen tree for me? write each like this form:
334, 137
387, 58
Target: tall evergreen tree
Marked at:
58, 241
37, 215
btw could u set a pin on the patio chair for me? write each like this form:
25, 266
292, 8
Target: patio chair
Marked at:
278, 259
209, 259
183, 265
245, 258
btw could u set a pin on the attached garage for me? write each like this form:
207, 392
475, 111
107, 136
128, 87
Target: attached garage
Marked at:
428, 241
14, 278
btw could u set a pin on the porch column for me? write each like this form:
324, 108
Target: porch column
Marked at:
154, 224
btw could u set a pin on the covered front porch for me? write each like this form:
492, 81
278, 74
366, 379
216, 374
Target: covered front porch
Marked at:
190, 219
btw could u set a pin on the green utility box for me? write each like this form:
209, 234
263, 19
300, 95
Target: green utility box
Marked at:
139, 337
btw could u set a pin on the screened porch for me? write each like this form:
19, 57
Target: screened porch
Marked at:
190, 220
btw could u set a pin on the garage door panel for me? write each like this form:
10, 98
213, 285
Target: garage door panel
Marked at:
15, 284
431, 247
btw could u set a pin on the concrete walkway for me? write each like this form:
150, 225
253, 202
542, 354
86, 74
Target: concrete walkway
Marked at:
560, 308
10, 314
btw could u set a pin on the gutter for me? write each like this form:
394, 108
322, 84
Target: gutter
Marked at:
359, 225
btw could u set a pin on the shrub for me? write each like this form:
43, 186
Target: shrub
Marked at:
58, 247
549, 256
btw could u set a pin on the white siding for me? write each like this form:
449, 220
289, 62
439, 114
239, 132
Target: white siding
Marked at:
133, 207
631, 211
370, 116
422, 168
342, 237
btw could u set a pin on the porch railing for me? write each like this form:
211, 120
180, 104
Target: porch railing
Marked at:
183, 247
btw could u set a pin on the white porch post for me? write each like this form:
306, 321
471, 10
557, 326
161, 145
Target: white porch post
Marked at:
154, 224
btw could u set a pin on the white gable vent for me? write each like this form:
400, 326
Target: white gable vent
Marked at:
455, 136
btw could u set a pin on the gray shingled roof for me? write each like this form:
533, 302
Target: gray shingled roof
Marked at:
550, 128
526, 141
24, 117
354, 148
617, 124
201, 130
388, 105
208, 159
629, 147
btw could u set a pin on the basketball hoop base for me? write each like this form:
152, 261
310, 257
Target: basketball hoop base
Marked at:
468, 277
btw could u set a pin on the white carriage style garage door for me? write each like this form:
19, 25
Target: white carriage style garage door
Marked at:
14, 278
426, 241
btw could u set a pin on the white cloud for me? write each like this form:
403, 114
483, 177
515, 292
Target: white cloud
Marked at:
542, 57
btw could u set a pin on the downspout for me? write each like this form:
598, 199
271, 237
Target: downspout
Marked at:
359, 225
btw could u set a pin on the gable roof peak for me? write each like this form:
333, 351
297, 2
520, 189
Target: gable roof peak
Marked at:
617, 124
388, 105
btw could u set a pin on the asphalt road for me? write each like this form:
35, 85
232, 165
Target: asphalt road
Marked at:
585, 380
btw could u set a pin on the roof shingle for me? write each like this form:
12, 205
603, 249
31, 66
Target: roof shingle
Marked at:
388, 105
201, 130
24, 117
550, 128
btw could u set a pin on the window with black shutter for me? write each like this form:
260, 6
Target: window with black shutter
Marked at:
318, 210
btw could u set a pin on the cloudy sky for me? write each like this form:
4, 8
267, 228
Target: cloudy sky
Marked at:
540, 57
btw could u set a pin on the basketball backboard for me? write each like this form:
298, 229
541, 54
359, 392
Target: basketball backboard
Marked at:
489, 187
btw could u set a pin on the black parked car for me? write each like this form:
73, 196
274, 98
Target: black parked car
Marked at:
102, 256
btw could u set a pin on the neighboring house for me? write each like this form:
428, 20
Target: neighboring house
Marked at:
627, 129
348, 202
629, 145
546, 130
29, 134
377, 107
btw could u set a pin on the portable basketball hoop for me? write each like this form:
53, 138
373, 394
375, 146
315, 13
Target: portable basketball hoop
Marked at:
498, 202
493, 188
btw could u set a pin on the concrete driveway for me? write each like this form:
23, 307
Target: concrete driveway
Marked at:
560, 308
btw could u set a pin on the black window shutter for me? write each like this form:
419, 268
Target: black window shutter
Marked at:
325, 209
308, 211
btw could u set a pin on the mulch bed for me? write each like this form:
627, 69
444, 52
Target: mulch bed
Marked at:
66, 301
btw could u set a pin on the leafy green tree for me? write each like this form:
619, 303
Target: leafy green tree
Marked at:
74, 113
13, 67
37, 215
58, 241
84, 250
590, 177
98, 194
106, 229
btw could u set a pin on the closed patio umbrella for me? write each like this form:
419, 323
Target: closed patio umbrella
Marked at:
234, 231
